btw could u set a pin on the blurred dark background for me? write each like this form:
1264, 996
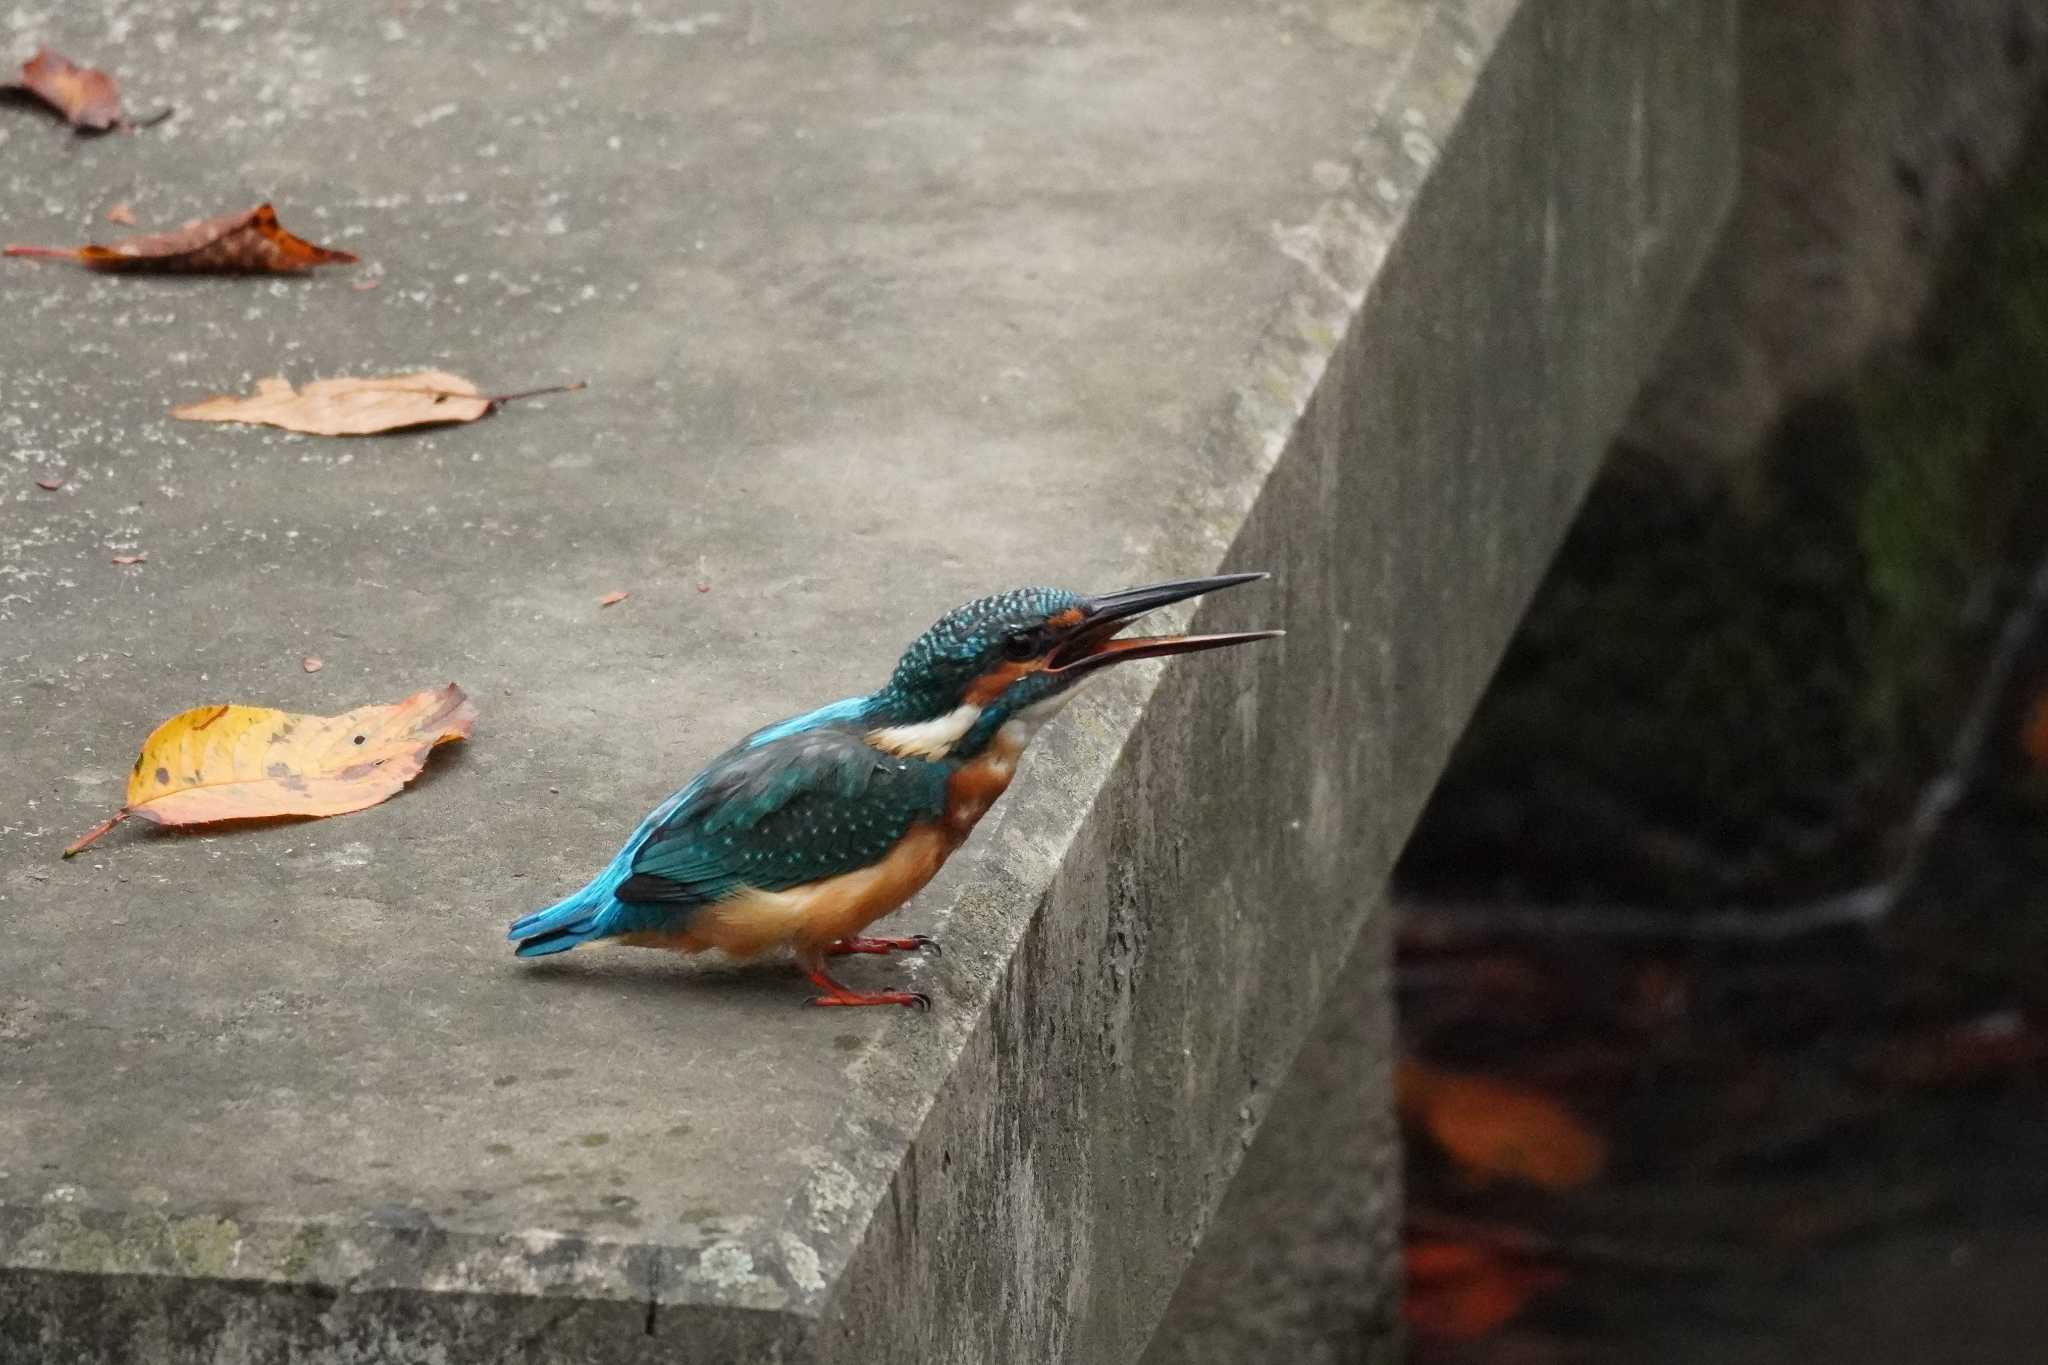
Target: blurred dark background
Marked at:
1725, 1002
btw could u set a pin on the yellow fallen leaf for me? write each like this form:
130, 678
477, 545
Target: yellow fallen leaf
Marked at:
252, 763
1496, 1130
357, 407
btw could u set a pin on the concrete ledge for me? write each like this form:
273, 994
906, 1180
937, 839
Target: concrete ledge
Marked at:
1353, 292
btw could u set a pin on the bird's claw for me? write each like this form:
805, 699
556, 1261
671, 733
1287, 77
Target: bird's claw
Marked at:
916, 1000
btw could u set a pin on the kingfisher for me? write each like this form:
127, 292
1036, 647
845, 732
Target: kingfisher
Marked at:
809, 830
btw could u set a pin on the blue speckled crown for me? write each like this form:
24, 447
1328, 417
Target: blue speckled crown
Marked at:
940, 662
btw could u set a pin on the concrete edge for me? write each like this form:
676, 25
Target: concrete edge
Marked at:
1340, 251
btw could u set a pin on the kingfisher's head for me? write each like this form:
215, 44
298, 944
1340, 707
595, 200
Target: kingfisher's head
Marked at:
1019, 656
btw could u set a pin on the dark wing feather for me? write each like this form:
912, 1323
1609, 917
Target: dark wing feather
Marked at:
814, 804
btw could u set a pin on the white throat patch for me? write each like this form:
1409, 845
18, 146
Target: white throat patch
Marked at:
933, 738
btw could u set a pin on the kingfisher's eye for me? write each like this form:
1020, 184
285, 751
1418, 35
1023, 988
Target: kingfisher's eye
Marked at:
1020, 645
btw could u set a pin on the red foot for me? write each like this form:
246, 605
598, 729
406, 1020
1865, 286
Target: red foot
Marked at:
915, 943
836, 994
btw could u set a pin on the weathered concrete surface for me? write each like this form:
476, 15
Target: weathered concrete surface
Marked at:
1295, 1266
881, 309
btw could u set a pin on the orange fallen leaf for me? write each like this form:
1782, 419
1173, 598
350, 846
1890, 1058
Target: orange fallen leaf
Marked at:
1458, 1292
1429, 1261
87, 98
121, 213
2034, 732
1499, 1131
217, 763
251, 242
358, 407
612, 599
129, 559
312, 664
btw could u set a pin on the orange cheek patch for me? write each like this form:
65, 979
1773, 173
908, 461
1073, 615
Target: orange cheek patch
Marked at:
997, 680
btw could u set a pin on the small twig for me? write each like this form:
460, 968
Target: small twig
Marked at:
1518, 1241
136, 125
1861, 908
1453, 921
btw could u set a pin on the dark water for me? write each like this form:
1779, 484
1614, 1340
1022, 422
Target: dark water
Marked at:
1833, 1148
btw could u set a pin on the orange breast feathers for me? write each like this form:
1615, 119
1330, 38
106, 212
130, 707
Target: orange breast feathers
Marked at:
811, 917
972, 789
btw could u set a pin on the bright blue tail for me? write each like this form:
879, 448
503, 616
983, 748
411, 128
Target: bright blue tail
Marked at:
572, 920
591, 911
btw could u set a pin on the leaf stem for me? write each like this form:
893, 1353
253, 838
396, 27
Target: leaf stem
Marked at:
92, 835
533, 393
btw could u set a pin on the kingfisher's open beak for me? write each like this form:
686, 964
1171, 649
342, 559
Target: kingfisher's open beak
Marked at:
1093, 641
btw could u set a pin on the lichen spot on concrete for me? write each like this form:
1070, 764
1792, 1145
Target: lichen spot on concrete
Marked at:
805, 1271
727, 1266
834, 1190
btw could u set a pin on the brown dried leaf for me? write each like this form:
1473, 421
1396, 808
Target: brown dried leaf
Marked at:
312, 663
86, 98
250, 242
1461, 1293
1497, 1130
125, 560
357, 407
50, 483
612, 599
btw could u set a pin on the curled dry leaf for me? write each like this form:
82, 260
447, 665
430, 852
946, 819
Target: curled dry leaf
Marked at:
357, 407
87, 98
217, 763
1459, 1293
1496, 1130
251, 242
50, 483
125, 560
612, 599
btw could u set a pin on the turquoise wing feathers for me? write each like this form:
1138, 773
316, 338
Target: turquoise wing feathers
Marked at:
799, 809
